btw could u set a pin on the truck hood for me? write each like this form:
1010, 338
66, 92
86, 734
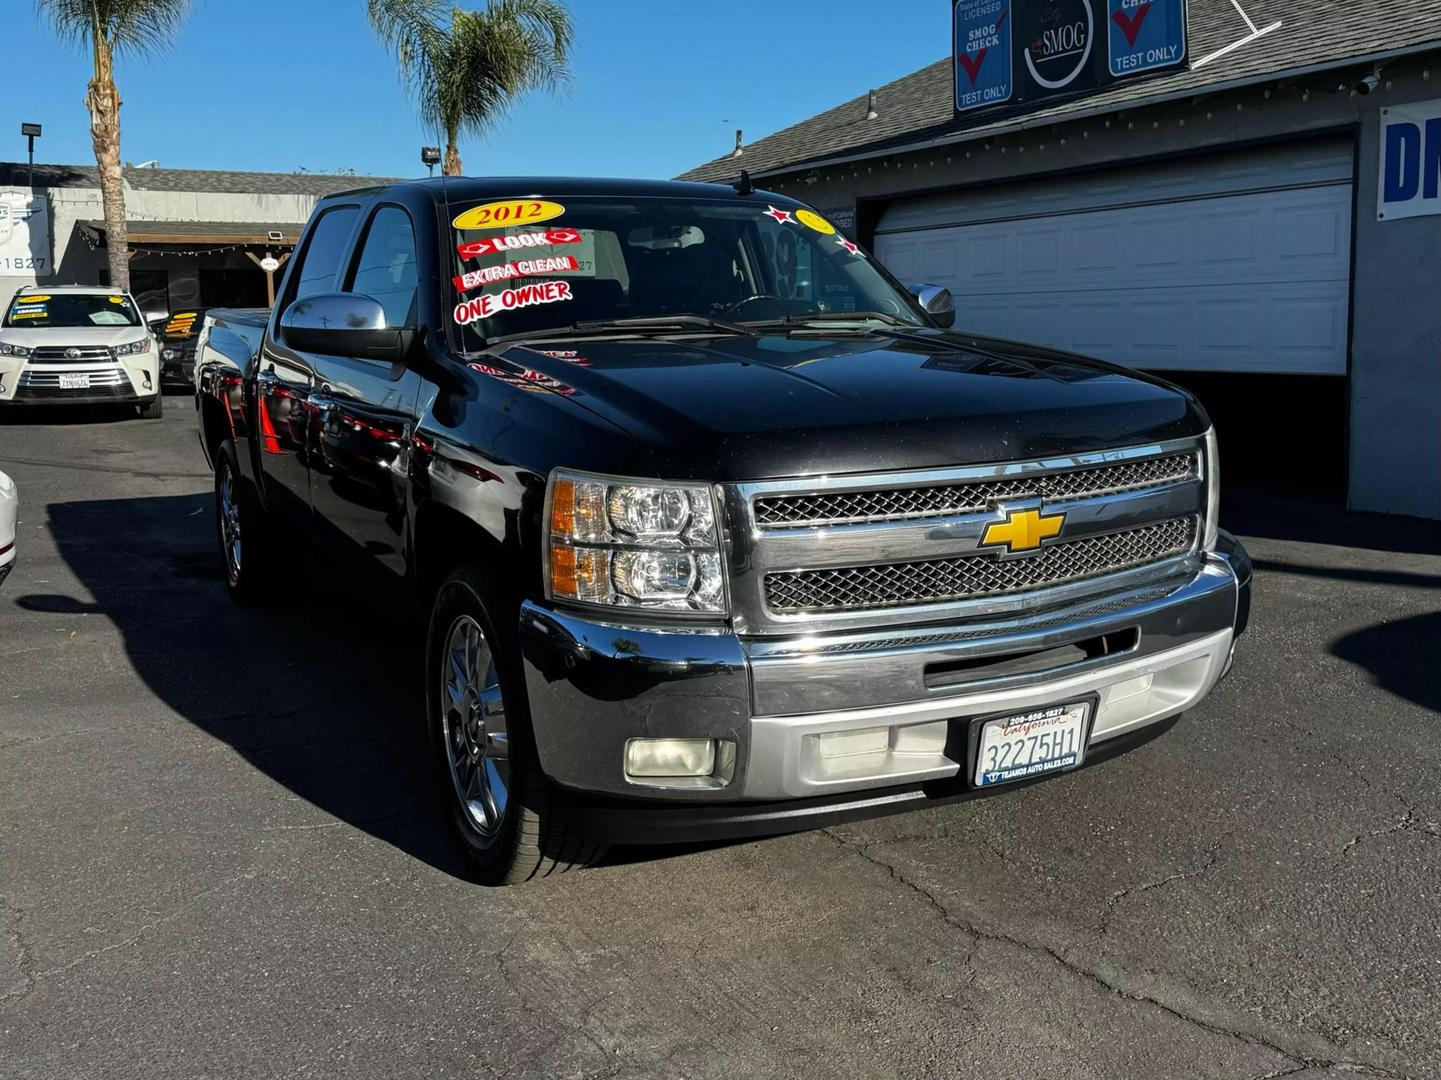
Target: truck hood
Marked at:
79, 335
753, 408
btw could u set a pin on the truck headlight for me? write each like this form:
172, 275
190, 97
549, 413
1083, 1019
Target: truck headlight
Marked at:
633, 544
133, 348
1212, 465
14, 350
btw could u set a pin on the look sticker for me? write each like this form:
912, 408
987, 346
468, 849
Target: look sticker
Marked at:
498, 215
475, 279
811, 220
483, 307
476, 249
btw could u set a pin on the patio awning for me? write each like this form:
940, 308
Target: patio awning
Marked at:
260, 233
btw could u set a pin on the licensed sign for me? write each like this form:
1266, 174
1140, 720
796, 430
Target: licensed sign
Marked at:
1015, 56
25, 236
1410, 161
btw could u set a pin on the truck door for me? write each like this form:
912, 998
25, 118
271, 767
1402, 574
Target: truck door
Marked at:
365, 413
285, 378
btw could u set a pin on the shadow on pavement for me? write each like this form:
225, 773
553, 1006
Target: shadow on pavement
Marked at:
1401, 657
1341, 573
1271, 514
309, 692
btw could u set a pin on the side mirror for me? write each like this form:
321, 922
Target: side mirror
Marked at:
343, 324
155, 317
937, 303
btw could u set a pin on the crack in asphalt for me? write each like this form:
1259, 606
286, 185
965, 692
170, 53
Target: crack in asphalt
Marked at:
37, 977
24, 960
1118, 897
1408, 822
116, 469
1298, 1061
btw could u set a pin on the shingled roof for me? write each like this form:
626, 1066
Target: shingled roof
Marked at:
16, 174
1315, 35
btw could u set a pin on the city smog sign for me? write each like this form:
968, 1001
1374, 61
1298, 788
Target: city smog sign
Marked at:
25, 235
1015, 56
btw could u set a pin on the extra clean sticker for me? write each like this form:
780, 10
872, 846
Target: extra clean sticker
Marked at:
476, 249
483, 307
499, 215
476, 279
811, 220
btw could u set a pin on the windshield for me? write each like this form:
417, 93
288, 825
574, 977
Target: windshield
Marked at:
530, 265
36, 311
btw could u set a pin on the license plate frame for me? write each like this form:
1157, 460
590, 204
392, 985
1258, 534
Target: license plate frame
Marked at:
74, 380
1089, 703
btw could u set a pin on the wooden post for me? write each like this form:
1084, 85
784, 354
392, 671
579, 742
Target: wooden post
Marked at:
269, 274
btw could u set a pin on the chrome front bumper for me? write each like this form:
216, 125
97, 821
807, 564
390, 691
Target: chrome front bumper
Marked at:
1146, 655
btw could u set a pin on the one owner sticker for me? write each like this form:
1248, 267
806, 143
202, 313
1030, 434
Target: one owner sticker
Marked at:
483, 307
1410, 161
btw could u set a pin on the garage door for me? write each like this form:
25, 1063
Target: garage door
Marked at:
1236, 263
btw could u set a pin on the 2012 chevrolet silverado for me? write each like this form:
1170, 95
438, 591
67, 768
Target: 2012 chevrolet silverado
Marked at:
713, 528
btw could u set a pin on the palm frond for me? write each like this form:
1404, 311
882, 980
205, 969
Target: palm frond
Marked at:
135, 27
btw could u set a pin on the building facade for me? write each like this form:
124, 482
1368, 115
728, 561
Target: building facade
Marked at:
198, 238
1262, 225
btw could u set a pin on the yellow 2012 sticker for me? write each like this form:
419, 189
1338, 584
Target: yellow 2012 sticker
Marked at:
811, 220
498, 215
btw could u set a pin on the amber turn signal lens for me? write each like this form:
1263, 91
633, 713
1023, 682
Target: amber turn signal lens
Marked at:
562, 511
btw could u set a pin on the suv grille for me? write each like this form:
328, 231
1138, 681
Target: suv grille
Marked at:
899, 504
938, 581
55, 354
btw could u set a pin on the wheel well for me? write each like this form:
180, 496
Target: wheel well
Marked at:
444, 538
214, 427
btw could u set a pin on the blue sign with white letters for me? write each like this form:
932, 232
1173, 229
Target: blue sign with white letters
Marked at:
982, 53
1410, 183
1145, 35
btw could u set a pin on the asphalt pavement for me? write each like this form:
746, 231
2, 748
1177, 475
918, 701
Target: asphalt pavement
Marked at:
219, 856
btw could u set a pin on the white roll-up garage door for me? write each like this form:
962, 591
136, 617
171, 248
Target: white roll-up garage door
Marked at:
1238, 262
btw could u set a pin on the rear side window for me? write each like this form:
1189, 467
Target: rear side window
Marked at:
319, 269
386, 269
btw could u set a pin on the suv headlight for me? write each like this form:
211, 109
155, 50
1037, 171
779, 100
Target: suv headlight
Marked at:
14, 350
1212, 465
633, 544
133, 348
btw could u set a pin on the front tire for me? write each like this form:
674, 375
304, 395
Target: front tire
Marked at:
153, 409
505, 815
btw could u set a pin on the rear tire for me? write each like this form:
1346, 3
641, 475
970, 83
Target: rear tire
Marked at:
153, 409
506, 817
240, 532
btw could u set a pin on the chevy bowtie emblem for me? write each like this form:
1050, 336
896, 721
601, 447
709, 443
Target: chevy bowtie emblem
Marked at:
1023, 530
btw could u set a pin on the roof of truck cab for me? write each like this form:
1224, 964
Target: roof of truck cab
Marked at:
456, 189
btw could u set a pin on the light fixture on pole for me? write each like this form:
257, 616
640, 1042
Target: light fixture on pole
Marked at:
430, 157
31, 132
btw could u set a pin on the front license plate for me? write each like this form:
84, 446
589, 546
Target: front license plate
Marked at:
1032, 744
74, 381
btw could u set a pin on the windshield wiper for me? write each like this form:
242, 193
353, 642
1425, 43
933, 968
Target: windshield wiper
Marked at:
657, 324
849, 316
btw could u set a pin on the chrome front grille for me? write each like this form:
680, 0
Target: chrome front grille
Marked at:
50, 380
110, 383
890, 585
909, 503
862, 551
56, 354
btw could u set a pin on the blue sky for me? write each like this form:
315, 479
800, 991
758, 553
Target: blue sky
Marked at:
660, 85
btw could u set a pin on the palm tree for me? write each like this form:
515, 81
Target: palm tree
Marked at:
111, 28
466, 68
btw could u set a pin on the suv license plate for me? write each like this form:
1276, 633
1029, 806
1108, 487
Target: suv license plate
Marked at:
73, 381
1031, 744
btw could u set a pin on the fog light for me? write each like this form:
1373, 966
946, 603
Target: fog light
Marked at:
670, 757
841, 744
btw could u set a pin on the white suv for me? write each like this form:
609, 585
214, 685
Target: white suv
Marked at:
78, 345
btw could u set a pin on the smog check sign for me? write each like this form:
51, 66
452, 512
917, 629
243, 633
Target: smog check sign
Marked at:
982, 53
1410, 180
1145, 35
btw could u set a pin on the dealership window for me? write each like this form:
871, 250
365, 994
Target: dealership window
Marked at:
151, 289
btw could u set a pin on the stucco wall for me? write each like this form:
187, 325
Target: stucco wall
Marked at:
1395, 389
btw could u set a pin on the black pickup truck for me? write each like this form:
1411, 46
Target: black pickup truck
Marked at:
711, 527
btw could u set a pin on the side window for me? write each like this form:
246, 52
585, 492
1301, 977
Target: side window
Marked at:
319, 268
386, 269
